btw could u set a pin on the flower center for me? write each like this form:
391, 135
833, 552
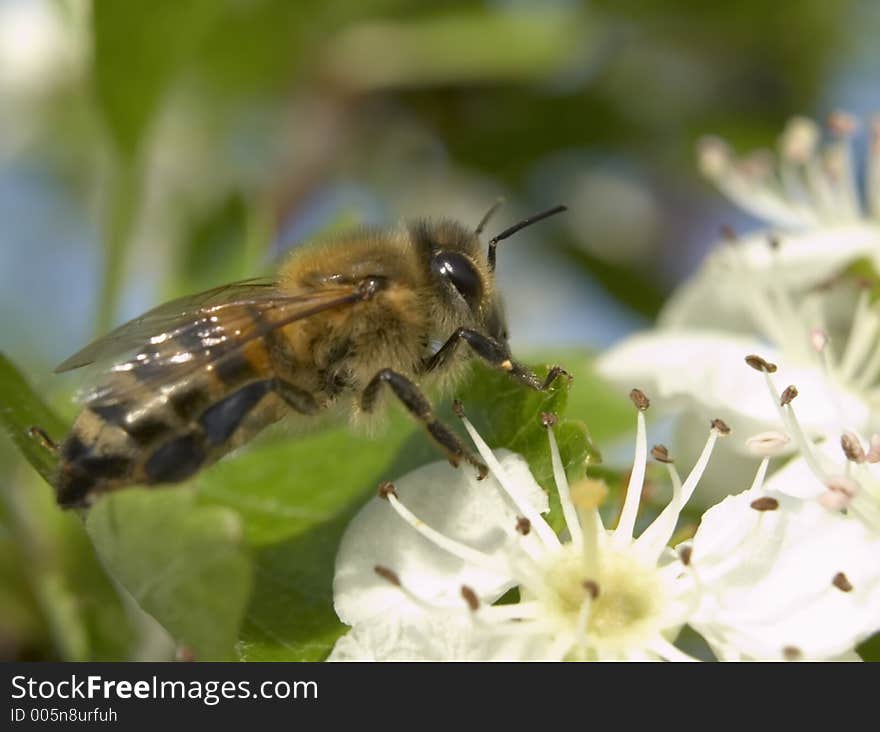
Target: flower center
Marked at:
612, 607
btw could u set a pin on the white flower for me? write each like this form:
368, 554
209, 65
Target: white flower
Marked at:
784, 579
424, 587
809, 197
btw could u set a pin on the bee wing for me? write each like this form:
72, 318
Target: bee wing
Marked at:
164, 319
198, 336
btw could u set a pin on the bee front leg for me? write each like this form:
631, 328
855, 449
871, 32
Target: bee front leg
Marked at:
419, 407
497, 355
41, 436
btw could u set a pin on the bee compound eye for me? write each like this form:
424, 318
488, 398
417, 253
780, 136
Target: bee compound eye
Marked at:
458, 269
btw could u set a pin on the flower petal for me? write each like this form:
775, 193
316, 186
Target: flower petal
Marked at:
797, 581
451, 501
712, 298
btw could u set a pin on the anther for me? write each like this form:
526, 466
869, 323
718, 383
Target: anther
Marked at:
548, 419
720, 426
841, 582
387, 574
728, 234
661, 454
852, 448
685, 555
767, 444
470, 597
819, 339
523, 525
792, 653
842, 124
774, 242
713, 156
458, 408
759, 364
385, 489
592, 588
765, 503
841, 490
640, 399
788, 395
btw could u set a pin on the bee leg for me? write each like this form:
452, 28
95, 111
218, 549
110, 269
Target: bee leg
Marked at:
297, 399
41, 436
417, 405
497, 355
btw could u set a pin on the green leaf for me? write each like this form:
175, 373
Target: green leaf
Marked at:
295, 497
185, 564
21, 409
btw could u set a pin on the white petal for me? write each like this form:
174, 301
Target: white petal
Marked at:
769, 577
449, 500
712, 298
435, 636
705, 372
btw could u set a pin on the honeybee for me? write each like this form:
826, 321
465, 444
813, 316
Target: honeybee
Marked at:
342, 321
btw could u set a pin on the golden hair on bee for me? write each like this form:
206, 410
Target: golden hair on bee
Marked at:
343, 321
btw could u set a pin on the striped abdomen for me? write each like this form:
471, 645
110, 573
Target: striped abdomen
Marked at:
165, 435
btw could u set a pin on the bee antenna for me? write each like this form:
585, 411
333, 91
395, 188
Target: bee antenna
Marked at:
493, 242
488, 215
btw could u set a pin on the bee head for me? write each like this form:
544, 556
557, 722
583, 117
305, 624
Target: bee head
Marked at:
463, 271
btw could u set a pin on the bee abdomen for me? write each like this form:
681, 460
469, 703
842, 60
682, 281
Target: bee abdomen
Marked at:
83, 469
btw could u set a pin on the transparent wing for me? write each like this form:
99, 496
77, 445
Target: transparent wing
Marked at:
201, 336
166, 318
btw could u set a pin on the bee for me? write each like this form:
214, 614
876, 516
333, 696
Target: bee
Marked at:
343, 321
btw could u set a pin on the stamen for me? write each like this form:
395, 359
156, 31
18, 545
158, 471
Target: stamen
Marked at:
457, 549
657, 535
787, 415
583, 618
386, 488
561, 480
852, 448
760, 475
387, 574
592, 588
624, 531
523, 525
640, 399
765, 503
862, 338
661, 454
587, 495
470, 597
759, 364
685, 554
541, 527
767, 444
841, 491
788, 395
792, 653
841, 582
800, 139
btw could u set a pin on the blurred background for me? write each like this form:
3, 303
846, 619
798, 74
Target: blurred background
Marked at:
149, 149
